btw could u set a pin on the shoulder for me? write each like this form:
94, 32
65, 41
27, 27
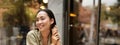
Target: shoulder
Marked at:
33, 35
33, 32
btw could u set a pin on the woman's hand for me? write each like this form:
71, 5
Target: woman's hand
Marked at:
55, 36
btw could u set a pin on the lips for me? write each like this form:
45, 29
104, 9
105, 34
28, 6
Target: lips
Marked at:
40, 26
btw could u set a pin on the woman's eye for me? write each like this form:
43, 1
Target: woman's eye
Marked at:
42, 18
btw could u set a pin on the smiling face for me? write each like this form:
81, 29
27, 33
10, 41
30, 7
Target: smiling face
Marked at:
43, 22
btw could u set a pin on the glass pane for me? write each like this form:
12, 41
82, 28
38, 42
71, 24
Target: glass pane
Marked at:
110, 22
82, 22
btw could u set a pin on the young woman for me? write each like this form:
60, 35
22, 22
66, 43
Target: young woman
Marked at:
46, 33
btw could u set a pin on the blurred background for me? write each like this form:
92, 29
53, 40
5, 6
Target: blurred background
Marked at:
16, 19
88, 28
77, 20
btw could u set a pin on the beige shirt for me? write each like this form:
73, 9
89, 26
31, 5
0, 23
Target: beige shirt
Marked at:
34, 38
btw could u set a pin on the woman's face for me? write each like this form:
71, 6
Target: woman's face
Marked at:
43, 21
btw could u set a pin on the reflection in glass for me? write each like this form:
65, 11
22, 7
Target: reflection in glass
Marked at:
83, 22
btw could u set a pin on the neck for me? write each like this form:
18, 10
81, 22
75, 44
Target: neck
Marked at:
45, 33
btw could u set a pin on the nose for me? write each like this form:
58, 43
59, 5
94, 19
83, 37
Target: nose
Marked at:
39, 22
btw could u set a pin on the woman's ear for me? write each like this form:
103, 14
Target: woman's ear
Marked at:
52, 21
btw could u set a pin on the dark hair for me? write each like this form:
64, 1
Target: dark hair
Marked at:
29, 2
80, 1
50, 15
39, 1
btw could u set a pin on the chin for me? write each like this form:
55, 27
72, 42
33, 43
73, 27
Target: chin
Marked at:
40, 29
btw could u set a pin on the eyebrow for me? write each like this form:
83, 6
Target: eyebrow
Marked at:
40, 17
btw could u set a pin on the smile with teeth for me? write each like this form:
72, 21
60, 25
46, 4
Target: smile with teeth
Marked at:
40, 26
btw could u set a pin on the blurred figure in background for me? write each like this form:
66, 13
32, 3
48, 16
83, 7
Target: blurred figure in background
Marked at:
84, 19
31, 8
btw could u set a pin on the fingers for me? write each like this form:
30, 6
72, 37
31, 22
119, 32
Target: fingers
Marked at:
54, 30
55, 38
56, 35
